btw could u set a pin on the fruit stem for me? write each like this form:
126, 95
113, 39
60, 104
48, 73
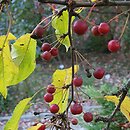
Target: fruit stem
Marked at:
118, 15
123, 30
82, 57
90, 11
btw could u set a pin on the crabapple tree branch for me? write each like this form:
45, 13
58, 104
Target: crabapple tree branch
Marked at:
88, 4
109, 119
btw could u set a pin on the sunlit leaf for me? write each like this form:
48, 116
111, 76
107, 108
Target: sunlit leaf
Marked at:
17, 63
12, 124
23, 54
62, 78
125, 106
8, 69
60, 24
35, 127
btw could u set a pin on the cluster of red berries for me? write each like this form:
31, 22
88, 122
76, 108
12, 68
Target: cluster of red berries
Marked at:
88, 117
48, 51
103, 29
76, 109
100, 30
80, 27
48, 97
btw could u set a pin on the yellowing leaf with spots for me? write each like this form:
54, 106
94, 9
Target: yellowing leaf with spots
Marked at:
8, 69
35, 127
62, 78
17, 63
125, 106
23, 55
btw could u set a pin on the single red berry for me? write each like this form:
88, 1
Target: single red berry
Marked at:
54, 108
88, 117
46, 47
46, 56
48, 97
74, 121
95, 31
54, 51
42, 127
103, 28
77, 81
39, 30
113, 45
51, 88
76, 108
80, 27
99, 73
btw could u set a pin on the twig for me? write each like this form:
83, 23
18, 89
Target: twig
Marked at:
124, 28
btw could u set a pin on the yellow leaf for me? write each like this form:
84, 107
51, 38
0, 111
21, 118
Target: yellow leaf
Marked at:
17, 63
62, 78
35, 127
7, 67
12, 124
23, 54
94, 0
125, 106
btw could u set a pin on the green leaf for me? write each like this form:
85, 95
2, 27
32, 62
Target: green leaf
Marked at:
23, 54
12, 124
8, 69
62, 78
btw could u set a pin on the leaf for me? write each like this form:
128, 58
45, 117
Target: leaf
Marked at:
125, 106
12, 124
62, 78
94, 0
35, 127
18, 64
8, 69
60, 24
60, 30
23, 54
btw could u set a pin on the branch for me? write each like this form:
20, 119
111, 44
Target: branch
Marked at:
122, 97
88, 4
124, 92
70, 12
